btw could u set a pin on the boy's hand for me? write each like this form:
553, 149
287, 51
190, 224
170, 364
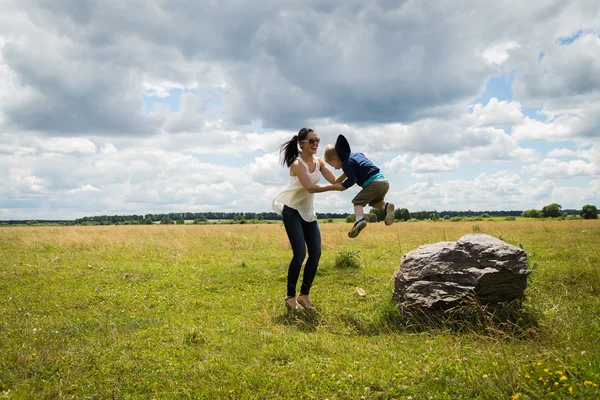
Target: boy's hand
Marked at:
338, 186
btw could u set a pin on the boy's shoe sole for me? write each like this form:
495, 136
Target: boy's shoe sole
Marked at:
357, 228
389, 214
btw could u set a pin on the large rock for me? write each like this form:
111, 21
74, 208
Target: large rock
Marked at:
441, 275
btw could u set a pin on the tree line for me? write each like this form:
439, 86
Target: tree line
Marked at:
553, 210
401, 214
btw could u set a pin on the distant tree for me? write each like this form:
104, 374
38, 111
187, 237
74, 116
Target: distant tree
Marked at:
533, 213
447, 217
402, 214
166, 221
379, 213
485, 215
421, 215
589, 212
180, 221
371, 217
351, 218
552, 210
434, 216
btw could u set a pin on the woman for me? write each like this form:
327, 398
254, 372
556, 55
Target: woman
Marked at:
296, 204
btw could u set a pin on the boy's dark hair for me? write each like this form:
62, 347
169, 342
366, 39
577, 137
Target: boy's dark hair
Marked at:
289, 150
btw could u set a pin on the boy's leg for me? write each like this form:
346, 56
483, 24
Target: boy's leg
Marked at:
360, 223
390, 214
380, 205
358, 226
359, 212
379, 189
359, 201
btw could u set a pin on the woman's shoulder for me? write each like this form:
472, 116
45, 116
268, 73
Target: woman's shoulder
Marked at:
294, 166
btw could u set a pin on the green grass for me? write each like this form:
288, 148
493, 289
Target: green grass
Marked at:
196, 311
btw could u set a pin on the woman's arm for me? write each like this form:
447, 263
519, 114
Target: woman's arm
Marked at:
299, 170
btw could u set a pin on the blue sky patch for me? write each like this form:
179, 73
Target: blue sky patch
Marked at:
570, 39
499, 87
172, 101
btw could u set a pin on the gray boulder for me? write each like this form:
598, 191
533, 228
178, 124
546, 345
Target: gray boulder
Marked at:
441, 275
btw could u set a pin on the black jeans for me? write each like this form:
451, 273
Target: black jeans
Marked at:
302, 235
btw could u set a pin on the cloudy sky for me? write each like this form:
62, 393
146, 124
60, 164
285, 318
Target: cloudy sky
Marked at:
150, 106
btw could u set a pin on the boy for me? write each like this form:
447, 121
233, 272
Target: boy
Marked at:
359, 169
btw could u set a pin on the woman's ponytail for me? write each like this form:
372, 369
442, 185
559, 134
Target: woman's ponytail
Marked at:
289, 150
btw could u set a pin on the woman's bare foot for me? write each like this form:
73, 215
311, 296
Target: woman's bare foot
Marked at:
304, 301
291, 303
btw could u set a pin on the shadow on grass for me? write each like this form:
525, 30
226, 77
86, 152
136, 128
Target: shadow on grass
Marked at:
502, 321
305, 320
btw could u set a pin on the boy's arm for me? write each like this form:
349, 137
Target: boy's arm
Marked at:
351, 177
340, 178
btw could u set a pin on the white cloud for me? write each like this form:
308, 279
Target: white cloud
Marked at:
24, 181
540, 191
501, 191
499, 147
592, 154
398, 164
566, 91
7, 78
496, 113
556, 76
189, 118
108, 148
577, 197
427, 163
266, 170
499, 53
66, 145
561, 153
554, 168
85, 188
563, 127
159, 89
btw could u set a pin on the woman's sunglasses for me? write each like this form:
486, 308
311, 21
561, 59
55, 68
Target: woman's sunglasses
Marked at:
312, 140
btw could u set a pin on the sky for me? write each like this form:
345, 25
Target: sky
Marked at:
152, 106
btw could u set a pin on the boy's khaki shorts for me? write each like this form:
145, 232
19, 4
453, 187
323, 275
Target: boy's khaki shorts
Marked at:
372, 194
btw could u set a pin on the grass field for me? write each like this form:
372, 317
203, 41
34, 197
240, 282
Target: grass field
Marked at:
196, 311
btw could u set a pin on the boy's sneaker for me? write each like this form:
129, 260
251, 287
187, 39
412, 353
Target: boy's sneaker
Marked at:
358, 226
389, 214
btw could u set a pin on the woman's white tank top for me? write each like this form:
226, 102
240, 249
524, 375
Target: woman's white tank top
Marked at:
295, 196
